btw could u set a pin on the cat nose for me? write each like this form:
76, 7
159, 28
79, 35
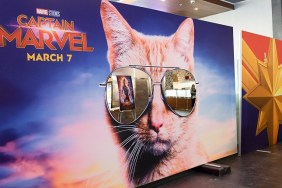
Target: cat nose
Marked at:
156, 125
157, 111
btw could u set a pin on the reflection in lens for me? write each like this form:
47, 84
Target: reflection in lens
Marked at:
127, 94
179, 89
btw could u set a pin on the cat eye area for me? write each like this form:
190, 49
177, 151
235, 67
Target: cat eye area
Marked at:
129, 91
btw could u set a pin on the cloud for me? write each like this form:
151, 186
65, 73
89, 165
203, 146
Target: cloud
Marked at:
216, 92
13, 100
5, 172
12, 95
81, 79
219, 138
23, 129
6, 158
63, 139
212, 81
8, 135
27, 183
79, 150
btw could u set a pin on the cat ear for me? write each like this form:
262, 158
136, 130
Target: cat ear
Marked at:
183, 40
119, 34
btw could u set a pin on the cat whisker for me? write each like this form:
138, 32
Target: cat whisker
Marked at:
126, 141
135, 158
128, 150
137, 128
128, 129
126, 156
121, 126
131, 159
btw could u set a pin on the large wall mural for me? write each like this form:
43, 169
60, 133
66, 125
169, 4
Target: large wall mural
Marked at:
60, 126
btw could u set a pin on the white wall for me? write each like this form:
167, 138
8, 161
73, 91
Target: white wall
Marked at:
250, 15
253, 16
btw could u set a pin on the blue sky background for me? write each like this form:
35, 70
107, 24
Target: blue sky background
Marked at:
38, 100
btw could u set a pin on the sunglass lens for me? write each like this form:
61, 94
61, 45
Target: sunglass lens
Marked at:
179, 90
128, 92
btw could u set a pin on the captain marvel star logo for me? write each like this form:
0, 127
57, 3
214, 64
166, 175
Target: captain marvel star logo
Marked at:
261, 81
126, 93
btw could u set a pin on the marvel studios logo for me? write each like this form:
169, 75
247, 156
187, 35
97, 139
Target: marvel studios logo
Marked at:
47, 12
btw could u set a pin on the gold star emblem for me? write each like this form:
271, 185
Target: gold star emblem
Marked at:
262, 82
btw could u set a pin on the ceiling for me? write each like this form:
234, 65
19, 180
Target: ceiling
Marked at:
234, 1
188, 8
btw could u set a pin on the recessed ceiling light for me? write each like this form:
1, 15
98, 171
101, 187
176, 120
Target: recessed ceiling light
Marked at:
196, 8
163, 0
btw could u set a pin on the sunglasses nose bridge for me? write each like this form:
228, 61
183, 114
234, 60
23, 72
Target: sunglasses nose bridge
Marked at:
156, 84
160, 89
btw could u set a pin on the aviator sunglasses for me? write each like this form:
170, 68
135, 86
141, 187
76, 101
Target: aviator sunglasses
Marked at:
129, 92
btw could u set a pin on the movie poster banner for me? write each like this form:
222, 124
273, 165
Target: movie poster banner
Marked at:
261, 82
126, 93
55, 127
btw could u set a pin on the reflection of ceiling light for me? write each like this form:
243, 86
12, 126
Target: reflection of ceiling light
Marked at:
196, 8
180, 4
192, 1
163, 0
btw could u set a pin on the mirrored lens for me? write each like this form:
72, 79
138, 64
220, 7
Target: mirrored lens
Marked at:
179, 90
128, 93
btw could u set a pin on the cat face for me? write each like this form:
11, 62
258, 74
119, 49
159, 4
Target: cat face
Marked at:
159, 129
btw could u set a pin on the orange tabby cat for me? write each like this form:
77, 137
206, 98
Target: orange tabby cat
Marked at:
160, 143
